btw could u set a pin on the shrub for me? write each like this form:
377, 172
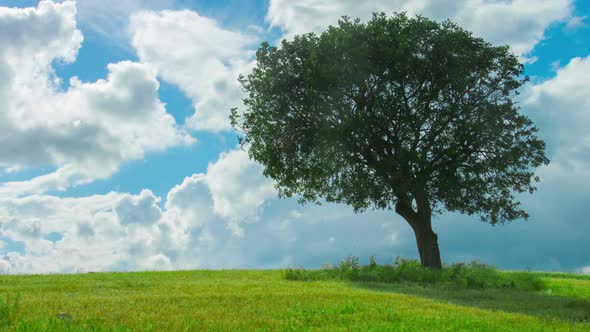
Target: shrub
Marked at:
300, 274
372, 262
349, 268
526, 280
473, 275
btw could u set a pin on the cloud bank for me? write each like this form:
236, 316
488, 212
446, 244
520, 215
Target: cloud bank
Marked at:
195, 229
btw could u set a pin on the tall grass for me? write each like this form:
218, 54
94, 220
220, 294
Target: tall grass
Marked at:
8, 309
472, 275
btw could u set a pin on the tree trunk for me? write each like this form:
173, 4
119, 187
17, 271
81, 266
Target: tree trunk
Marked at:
427, 242
426, 238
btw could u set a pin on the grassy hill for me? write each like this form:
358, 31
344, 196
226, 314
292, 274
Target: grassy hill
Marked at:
266, 300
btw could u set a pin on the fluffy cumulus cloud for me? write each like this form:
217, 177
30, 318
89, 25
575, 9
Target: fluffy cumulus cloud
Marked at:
232, 201
65, 216
197, 55
514, 22
141, 209
561, 108
130, 232
85, 132
103, 232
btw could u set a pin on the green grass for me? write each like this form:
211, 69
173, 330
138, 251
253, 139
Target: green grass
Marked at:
265, 300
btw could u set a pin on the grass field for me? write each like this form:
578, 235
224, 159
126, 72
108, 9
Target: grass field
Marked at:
265, 300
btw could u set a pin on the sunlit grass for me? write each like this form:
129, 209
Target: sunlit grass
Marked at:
264, 300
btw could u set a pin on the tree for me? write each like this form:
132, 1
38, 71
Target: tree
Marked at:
398, 113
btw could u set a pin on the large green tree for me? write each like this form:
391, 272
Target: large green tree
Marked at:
398, 113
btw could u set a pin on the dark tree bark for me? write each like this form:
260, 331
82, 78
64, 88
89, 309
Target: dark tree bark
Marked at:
427, 241
426, 238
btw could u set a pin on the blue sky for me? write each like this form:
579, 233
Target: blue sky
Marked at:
117, 151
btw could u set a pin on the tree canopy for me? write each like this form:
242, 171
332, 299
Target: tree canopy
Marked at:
398, 113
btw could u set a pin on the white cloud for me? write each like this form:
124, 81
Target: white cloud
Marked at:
585, 270
129, 232
4, 267
25, 228
237, 187
249, 227
98, 233
576, 22
142, 209
85, 132
518, 23
561, 108
48, 32
157, 262
62, 215
190, 202
197, 55
232, 192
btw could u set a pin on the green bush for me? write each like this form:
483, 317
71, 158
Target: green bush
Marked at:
527, 281
472, 275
